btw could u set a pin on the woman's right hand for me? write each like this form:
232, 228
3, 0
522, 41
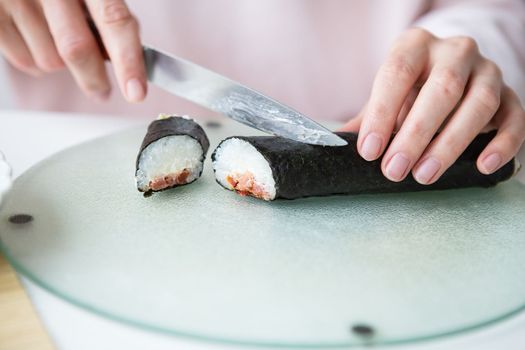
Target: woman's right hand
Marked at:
41, 36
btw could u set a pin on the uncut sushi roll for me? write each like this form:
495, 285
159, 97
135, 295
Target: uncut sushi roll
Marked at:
269, 167
172, 154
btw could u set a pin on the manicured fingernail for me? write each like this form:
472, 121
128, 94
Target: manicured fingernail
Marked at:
427, 170
135, 90
491, 163
397, 167
371, 146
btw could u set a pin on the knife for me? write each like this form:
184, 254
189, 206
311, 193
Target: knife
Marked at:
220, 94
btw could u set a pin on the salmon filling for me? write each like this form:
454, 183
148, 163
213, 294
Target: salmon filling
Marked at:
245, 185
160, 183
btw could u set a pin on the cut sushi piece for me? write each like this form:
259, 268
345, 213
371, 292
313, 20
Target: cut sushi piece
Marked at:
172, 154
270, 167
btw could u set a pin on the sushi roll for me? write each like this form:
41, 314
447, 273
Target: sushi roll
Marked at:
269, 167
172, 154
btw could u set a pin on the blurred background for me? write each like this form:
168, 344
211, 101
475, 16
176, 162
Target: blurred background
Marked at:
6, 100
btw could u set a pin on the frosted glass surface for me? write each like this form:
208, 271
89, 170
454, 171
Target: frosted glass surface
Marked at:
201, 261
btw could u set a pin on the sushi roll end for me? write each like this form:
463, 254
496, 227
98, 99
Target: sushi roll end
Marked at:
240, 167
172, 154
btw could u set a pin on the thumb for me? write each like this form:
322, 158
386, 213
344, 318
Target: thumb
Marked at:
354, 124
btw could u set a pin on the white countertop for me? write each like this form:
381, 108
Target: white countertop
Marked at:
28, 137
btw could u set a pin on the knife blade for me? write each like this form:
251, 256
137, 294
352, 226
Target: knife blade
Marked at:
220, 94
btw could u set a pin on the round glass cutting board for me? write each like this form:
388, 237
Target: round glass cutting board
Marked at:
202, 262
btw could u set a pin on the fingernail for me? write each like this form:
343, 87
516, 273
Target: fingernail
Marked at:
135, 90
427, 170
371, 147
397, 167
491, 163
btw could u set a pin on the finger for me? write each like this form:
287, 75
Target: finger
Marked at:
31, 23
77, 47
405, 109
13, 47
438, 97
352, 125
478, 107
510, 136
391, 87
120, 34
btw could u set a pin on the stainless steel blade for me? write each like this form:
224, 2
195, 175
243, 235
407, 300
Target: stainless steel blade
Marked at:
220, 94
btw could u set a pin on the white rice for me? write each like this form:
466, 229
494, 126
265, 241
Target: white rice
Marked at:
236, 157
169, 155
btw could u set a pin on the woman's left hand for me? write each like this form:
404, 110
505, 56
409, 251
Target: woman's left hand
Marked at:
429, 84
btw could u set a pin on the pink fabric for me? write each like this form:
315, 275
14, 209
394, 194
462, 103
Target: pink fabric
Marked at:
319, 57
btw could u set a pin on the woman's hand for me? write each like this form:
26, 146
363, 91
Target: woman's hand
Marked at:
429, 84
40, 36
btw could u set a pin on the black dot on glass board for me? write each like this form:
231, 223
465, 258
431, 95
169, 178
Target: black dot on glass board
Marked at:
362, 330
213, 124
20, 219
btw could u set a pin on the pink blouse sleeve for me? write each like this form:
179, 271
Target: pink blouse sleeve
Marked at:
498, 26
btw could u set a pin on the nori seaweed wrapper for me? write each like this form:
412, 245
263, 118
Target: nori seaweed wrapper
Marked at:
174, 126
304, 170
